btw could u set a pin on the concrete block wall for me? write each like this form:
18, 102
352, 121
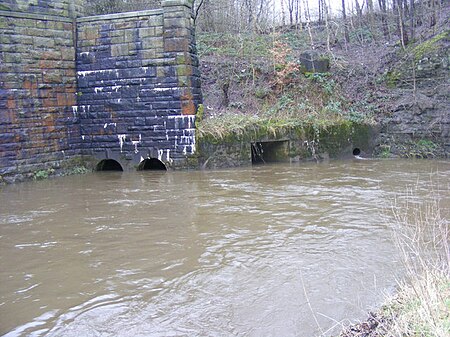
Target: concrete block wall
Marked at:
138, 85
37, 91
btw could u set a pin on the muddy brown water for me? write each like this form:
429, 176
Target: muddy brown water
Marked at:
275, 250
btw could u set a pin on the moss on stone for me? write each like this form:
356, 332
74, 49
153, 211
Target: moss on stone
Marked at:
429, 46
329, 137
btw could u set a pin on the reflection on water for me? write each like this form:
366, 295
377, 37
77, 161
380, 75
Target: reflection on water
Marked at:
278, 250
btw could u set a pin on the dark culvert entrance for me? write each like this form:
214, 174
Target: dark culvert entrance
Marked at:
108, 165
152, 164
270, 152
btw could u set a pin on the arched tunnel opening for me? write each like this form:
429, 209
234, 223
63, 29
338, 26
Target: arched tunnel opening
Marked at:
108, 165
152, 164
270, 152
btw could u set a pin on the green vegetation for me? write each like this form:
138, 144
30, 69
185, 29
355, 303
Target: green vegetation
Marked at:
422, 307
229, 44
385, 152
77, 165
423, 148
429, 46
43, 174
76, 170
273, 94
392, 78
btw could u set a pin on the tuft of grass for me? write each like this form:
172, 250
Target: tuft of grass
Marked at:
421, 306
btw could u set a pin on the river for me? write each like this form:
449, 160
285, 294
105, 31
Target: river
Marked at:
272, 250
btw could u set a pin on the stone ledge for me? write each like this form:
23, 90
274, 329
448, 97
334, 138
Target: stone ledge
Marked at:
117, 16
34, 16
171, 3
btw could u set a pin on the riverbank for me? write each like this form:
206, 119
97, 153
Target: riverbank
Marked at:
421, 306
274, 81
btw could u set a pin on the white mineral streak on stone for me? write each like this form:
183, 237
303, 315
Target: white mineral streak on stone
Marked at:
162, 89
121, 140
168, 156
74, 110
83, 137
84, 53
136, 143
98, 89
89, 72
188, 138
85, 108
160, 154
109, 124
116, 88
141, 160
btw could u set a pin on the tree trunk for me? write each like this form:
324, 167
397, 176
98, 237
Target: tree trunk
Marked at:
308, 21
344, 18
411, 19
382, 4
401, 24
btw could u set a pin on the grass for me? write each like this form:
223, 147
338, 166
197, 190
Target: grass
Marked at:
228, 44
421, 305
308, 101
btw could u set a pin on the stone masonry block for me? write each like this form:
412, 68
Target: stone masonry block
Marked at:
155, 21
118, 39
176, 45
147, 32
152, 43
176, 23
119, 50
177, 32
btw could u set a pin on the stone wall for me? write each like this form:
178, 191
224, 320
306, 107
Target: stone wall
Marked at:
138, 85
37, 90
123, 86
60, 8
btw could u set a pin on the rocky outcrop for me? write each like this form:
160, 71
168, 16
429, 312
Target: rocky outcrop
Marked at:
417, 123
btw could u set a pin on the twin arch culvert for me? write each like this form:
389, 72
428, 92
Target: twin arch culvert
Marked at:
150, 164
